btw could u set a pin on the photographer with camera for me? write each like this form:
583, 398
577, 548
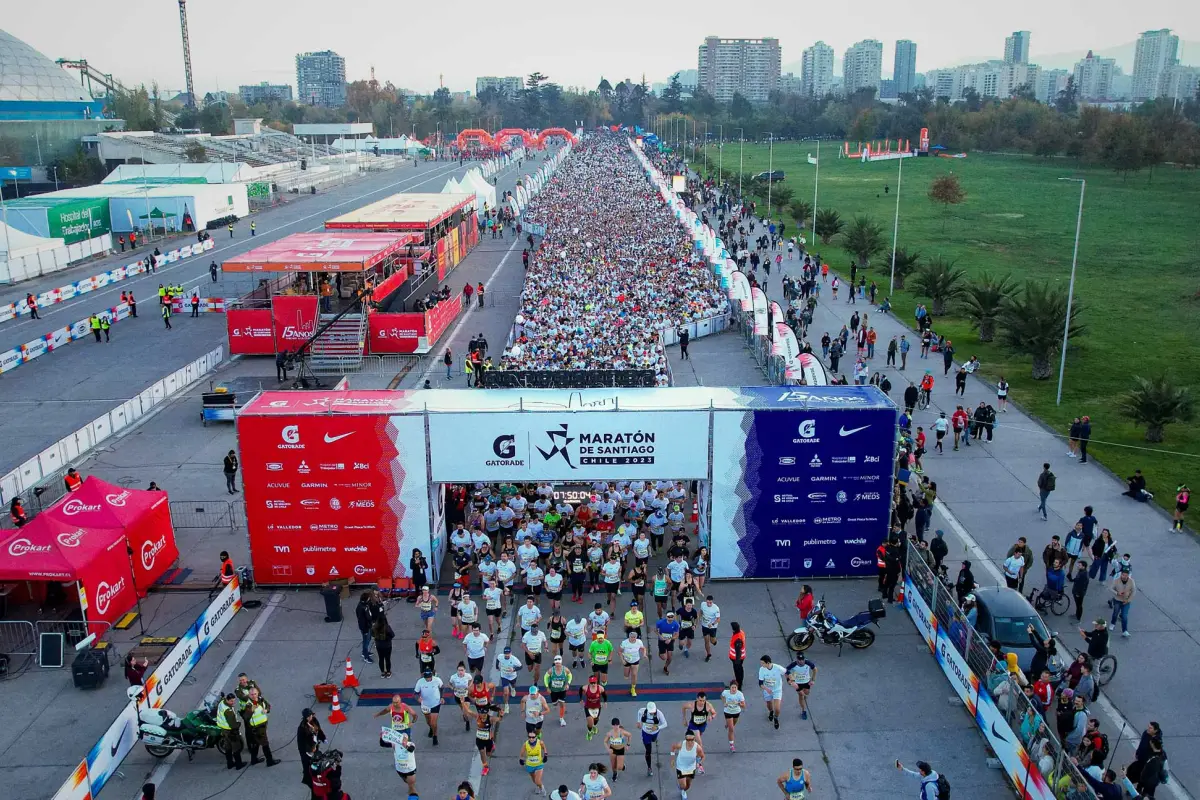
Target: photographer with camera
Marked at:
326, 773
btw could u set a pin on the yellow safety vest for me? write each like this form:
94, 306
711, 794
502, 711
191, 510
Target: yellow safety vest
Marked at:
532, 755
222, 721
258, 715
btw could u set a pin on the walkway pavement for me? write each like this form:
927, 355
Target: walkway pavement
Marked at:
988, 497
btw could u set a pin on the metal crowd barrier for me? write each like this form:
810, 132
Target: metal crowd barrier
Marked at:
18, 638
388, 365
73, 630
203, 513
1039, 738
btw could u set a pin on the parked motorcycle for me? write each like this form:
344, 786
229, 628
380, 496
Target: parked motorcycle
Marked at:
829, 629
163, 731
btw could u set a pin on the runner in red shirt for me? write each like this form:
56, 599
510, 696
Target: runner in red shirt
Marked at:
958, 420
594, 697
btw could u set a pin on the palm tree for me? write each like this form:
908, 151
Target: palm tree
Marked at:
984, 298
1032, 321
906, 263
829, 224
801, 211
940, 281
863, 239
1156, 403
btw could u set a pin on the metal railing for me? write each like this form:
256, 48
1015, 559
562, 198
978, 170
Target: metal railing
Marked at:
382, 365
1051, 757
207, 514
18, 638
73, 630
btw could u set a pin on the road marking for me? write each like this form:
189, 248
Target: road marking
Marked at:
433, 362
160, 772
1116, 719
59, 307
499, 642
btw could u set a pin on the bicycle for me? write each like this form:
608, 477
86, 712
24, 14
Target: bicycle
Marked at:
1056, 602
923, 400
1104, 668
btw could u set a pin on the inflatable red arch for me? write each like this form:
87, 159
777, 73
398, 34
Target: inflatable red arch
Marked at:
475, 135
527, 139
546, 134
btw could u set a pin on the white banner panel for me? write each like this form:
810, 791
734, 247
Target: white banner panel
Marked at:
579, 446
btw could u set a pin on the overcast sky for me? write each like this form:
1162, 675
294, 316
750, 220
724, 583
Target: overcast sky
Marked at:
417, 44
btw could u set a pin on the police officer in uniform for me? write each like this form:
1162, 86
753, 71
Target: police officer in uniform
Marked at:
256, 712
242, 692
230, 725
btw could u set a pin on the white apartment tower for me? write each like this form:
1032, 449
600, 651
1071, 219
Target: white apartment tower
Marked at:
1156, 50
1093, 77
1016, 48
749, 67
904, 71
816, 70
863, 66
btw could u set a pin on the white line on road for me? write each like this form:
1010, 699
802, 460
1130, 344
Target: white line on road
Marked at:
1116, 719
160, 772
434, 362
59, 307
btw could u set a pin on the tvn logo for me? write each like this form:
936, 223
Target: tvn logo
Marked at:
282, 548
783, 542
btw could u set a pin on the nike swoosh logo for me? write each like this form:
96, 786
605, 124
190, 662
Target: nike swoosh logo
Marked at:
843, 431
117, 745
331, 439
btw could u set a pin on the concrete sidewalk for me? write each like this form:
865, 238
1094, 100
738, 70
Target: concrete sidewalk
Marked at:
989, 498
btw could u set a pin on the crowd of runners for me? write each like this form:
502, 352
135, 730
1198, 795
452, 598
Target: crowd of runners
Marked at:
613, 269
598, 593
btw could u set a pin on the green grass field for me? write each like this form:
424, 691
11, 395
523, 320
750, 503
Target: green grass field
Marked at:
1138, 275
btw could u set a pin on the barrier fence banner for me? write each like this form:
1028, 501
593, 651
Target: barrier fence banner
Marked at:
63, 293
77, 786
295, 318
251, 331
438, 318
396, 333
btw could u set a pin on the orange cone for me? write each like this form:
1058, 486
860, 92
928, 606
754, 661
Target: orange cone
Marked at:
900, 595
337, 716
695, 512
351, 681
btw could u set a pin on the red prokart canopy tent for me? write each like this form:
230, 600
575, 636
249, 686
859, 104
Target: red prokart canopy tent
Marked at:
83, 538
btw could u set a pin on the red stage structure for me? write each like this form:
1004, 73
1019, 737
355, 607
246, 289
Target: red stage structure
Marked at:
110, 543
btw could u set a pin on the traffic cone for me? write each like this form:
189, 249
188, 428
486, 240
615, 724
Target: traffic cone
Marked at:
695, 512
350, 682
337, 716
900, 595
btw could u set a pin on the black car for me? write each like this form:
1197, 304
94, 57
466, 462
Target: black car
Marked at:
770, 177
1004, 617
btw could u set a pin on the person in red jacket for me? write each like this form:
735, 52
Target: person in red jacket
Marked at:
958, 421
805, 602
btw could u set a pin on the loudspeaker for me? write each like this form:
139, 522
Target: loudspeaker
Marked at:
89, 669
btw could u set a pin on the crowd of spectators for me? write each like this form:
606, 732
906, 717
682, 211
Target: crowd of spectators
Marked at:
614, 268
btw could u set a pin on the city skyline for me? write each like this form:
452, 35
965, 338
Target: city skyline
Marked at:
266, 43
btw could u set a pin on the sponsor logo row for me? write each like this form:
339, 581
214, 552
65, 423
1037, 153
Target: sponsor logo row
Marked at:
778, 564
304, 468
822, 497
816, 463
313, 504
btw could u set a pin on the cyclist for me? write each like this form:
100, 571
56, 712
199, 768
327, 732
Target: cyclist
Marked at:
926, 388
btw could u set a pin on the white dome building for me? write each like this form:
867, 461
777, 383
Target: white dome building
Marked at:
33, 87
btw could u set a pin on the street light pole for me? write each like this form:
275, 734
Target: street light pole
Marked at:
895, 229
816, 178
770, 170
720, 152
705, 145
741, 149
1062, 363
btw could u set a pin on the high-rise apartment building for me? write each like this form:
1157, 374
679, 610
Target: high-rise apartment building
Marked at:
1093, 77
1155, 51
789, 83
1016, 48
265, 92
816, 70
1179, 82
904, 71
1049, 83
510, 86
749, 67
321, 79
863, 66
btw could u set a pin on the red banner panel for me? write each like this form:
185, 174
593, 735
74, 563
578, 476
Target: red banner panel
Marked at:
295, 319
318, 497
396, 333
438, 318
250, 331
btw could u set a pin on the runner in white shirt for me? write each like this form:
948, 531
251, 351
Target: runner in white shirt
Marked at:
594, 786
686, 756
545, 490
710, 618
527, 553
529, 615
771, 678
509, 666
598, 620
563, 793
611, 572
429, 694
535, 576
606, 507
554, 589
637, 487
493, 606
535, 644
505, 515
641, 548
487, 569
632, 650
535, 708
650, 721
518, 504
475, 643
577, 640
674, 519
405, 759
468, 610
506, 570
460, 683
461, 538
734, 703
522, 534
479, 539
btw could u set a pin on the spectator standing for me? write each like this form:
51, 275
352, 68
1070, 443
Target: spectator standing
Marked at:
1123, 591
230, 468
1079, 588
1085, 434
1046, 483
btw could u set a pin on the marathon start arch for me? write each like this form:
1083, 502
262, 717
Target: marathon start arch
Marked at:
546, 134
503, 136
790, 481
465, 138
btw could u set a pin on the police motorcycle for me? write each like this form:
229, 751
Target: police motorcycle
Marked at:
829, 629
163, 731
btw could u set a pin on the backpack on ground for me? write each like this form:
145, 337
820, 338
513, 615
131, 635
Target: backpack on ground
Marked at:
943, 788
